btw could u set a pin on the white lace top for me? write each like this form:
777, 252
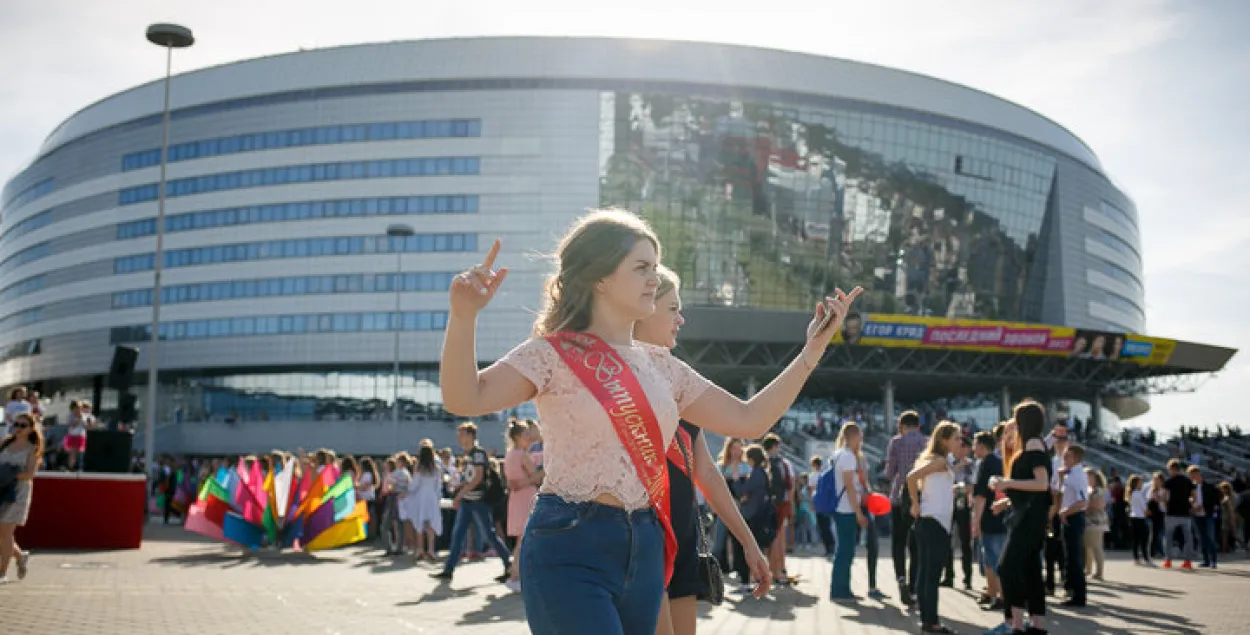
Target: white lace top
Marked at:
582, 456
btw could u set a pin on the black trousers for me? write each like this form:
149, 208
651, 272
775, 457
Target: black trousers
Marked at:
1020, 569
902, 542
962, 528
1055, 556
1074, 536
824, 524
934, 547
1141, 538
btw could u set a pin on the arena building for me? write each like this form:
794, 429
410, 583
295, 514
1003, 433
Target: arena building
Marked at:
770, 176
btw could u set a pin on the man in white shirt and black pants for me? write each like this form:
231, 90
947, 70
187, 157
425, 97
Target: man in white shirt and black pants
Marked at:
1074, 492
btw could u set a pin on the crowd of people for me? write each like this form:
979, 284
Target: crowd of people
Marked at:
594, 539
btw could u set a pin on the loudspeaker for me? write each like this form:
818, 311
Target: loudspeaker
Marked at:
107, 451
123, 366
126, 411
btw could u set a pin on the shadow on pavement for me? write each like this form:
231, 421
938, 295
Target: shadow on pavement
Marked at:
507, 607
229, 558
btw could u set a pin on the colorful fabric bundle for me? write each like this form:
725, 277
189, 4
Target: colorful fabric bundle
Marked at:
313, 512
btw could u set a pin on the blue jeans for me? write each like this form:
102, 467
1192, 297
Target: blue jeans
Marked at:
844, 526
591, 568
992, 550
479, 514
1205, 528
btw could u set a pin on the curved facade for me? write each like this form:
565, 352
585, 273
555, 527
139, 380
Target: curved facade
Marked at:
770, 176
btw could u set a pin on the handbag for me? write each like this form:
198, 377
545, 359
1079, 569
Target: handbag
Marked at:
711, 580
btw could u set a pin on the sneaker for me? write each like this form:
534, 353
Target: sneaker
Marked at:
1187, 565
745, 589
503, 577
1167, 564
23, 561
441, 575
1001, 629
513, 585
5, 580
876, 594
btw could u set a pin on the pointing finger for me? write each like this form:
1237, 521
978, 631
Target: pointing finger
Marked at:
489, 262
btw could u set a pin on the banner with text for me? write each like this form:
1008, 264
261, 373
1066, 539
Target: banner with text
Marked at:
910, 331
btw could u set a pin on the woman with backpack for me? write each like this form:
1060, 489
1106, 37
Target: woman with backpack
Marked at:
847, 511
757, 508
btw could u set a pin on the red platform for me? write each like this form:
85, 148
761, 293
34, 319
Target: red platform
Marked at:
85, 511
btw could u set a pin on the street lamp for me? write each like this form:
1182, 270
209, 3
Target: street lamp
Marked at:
401, 232
170, 36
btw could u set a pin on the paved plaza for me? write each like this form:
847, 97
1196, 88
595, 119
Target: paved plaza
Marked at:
178, 583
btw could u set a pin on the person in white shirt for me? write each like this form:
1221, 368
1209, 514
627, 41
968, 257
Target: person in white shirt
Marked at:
1074, 498
934, 511
17, 405
1138, 500
848, 513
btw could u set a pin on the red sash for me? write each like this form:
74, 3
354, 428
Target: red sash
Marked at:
674, 450
610, 380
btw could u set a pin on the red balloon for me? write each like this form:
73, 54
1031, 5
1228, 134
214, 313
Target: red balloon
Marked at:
877, 504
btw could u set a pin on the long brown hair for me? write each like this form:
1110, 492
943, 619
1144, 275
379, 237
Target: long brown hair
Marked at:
34, 434
944, 431
1030, 418
591, 251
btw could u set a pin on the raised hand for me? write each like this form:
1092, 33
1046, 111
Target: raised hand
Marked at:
472, 290
828, 318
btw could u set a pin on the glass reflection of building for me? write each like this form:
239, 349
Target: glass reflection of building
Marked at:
770, 177
768, 205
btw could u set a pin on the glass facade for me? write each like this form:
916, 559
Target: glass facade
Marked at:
770, 205
321, 135
27, 255
283, 325
296, 285
312, 173
310, 395
17, 290
36, 191
300, 248
303, 210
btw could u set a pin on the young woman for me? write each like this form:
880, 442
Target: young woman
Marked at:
400, 485
872, 540
1154, 508
596, 554
367, 489
424, 504
933, 512
757, 506
735, 470
75, 441
1028, 495
1097, 524
848, 516
22, 450
523, 481
679, 611
1137, 510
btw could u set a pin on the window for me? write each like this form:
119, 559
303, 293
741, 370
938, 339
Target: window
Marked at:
458, 166
19, 289
297, 248
400, 205
324, 135
38, 190
285, 324
30, 254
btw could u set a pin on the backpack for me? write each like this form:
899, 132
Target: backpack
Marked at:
781, 482
495, 492
827, 498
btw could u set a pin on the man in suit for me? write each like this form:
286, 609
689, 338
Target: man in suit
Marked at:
1206, 500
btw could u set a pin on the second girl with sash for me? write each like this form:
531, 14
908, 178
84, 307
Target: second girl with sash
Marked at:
599, 547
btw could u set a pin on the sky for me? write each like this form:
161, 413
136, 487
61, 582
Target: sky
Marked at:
1156, 87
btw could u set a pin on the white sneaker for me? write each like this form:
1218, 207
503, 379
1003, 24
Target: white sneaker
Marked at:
5, 580
23, 561
513, 585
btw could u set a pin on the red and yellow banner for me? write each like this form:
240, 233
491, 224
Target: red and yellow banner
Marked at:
988, 336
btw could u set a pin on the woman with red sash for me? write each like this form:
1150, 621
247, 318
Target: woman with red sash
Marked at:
599, 547
679, 609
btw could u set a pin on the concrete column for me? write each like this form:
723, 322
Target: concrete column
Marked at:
1004, 407
753, 386
1094, 428
888, 404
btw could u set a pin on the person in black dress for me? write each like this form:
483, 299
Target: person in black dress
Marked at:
1028, 496
690, 462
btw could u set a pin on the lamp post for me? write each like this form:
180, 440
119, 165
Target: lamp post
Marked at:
170, 36
400, 232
